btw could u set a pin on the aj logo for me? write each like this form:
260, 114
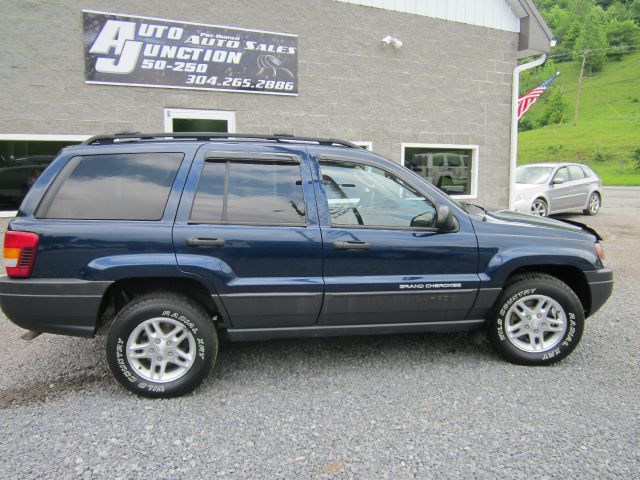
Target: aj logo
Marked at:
117, 38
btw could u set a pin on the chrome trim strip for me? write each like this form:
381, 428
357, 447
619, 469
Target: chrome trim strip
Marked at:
400, 292
270, 294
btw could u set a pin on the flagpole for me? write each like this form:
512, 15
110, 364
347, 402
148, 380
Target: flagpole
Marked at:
513, 152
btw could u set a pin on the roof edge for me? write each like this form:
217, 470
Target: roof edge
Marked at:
535, 37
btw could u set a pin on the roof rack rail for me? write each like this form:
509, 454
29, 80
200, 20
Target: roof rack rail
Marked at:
207, 136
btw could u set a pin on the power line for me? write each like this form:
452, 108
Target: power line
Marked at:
612, 48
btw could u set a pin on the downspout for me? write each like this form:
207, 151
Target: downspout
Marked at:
513, 153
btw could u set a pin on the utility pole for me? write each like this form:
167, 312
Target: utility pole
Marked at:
584, 59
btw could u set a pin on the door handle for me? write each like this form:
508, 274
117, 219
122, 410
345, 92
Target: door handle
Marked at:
351, 245
205, 242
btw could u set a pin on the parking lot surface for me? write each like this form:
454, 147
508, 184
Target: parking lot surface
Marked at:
400, 406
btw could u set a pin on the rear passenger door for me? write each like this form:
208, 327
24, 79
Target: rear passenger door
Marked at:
580, 187
247, 223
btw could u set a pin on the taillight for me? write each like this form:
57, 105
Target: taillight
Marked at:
20, 250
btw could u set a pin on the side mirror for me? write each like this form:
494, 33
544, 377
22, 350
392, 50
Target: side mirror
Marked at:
558, 181
445, 220
424, 220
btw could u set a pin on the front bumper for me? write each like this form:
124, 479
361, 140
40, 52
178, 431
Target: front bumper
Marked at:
601, 286
62, 306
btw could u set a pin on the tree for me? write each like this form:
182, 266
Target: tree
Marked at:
621, 34
591, 42
554, 107
574, 31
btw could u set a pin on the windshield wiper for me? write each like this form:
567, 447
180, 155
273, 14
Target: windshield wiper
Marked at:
480, 207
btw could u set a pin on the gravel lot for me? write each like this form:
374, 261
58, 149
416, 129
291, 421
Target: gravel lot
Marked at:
406, 406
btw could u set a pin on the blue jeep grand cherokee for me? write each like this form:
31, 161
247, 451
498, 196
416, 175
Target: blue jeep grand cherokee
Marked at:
165, 242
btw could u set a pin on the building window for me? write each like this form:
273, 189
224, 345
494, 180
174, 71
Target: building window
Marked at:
188, 120
451, 168
363, 144
22, 159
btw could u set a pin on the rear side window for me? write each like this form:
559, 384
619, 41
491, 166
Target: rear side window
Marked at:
267, 193
112, 187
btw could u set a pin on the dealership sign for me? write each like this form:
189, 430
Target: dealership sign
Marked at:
152, 52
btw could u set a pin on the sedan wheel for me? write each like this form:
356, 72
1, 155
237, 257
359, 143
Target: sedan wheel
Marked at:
594, 204
539, 207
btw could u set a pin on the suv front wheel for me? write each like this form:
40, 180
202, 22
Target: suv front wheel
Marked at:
161, 345
538, 320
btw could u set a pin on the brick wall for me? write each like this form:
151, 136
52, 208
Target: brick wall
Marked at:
450, 83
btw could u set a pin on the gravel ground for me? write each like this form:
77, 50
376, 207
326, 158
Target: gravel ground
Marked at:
404, 406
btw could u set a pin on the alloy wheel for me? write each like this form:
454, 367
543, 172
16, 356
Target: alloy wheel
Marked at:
161, 350
535, 323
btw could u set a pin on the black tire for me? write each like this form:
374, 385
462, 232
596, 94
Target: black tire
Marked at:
169, 311
594, 205
534, 286
540, 207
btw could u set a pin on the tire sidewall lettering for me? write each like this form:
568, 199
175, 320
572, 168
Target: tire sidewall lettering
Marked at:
565, 297
144, 386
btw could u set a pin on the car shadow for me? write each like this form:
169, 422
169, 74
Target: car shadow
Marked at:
259, 361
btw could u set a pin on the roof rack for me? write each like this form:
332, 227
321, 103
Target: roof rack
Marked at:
208, 136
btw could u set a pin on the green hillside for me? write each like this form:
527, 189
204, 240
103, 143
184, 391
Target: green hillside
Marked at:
608, 130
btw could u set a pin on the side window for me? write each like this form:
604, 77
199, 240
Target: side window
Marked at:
562, 174
576, 172
586, 171
267, 193
361, 195
132, 186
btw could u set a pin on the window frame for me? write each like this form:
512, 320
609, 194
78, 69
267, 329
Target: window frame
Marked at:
36, 137
475, 162
337, 159
368, 146
241, 157
198, 114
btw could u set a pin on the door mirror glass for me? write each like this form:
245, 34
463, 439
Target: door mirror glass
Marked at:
423, 220
558, 181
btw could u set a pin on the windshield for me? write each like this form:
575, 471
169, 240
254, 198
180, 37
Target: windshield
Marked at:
533, 175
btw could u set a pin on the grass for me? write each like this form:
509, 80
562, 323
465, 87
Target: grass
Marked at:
608, 129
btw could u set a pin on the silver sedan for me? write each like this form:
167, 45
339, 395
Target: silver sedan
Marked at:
546, 188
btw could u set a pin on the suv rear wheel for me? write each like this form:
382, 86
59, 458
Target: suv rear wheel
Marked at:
538, 320
161, 345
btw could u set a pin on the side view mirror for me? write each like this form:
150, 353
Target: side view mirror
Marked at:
445, 220
558, 181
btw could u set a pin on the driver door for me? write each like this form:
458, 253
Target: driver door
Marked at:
560, 194
384, 259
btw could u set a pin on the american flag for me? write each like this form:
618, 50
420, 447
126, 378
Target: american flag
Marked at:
525, 102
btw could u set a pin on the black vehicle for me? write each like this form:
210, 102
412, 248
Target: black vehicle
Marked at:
167, 241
